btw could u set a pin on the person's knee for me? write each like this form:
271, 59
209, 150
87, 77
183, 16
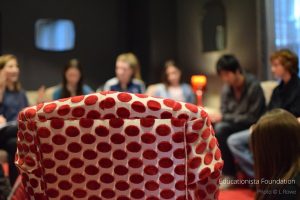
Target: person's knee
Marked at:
233, 140
221, 128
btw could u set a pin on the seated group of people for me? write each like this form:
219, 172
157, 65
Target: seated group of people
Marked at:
13, 98
128, 79
269, 150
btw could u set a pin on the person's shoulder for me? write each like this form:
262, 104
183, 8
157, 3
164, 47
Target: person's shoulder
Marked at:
109, 83
186, 86
137, 81
57, 92
251, 79
22, 92
87, 89
160, 86
112, 81
298, 82
58, 89
226, 89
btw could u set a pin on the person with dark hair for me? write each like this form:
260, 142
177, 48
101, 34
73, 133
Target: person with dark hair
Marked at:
12, 101
242, 103
128, 77
275, 143
284, 66
72, 84
172, 87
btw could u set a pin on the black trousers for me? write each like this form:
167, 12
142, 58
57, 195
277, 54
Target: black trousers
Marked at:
223, 130
8, 142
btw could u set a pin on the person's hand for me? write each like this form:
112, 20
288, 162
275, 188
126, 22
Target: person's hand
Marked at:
2, 119
215, 117
298, 119
41, 94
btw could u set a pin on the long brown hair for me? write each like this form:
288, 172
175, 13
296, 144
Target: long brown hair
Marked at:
275, 142
169, 63
4, 59
73, 63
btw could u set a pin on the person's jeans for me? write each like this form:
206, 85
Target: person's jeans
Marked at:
238, 143
223, 130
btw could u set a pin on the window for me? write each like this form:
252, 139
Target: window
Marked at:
54, 34
287, 24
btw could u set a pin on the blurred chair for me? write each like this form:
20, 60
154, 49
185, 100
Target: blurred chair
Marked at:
268, 87
112, 145
32, 95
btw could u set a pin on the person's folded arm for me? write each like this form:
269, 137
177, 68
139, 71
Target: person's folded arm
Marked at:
257, 106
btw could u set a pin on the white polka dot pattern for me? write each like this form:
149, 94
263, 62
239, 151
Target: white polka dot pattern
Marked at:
121, 146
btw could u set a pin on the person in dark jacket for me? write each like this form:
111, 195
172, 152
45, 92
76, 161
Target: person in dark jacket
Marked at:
286, 96
242, 103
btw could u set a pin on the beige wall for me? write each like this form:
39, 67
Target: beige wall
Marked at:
241, 36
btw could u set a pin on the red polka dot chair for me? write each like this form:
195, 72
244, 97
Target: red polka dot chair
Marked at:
119, 146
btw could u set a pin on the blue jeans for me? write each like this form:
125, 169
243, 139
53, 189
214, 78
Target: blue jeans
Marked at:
238, 144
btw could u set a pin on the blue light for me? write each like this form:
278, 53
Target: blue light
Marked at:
55, 35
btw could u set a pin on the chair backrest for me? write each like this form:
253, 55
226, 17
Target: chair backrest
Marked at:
268, 87
112, 145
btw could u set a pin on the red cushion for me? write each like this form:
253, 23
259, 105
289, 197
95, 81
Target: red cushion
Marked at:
113, 144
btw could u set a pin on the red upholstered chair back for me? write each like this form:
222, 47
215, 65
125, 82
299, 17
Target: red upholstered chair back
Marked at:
121, 146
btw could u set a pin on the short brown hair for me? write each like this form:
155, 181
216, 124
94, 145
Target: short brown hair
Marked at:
288, 59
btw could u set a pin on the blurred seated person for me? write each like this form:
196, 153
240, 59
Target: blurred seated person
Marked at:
128, 78
275, 142
72, 84
242, 103
12, 101
284, 66
171, 86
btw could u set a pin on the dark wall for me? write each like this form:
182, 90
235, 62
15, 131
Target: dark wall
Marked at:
98, 39
153, 29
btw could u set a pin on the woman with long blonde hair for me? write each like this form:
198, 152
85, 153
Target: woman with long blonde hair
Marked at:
128, 77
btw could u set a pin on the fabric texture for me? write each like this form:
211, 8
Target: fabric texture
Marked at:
113, 145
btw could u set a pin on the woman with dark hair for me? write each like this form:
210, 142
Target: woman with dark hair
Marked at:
172, 87
275, 142
12, 101
72, 84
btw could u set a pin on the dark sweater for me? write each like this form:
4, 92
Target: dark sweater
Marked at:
287, 96
247, 110
13, 102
